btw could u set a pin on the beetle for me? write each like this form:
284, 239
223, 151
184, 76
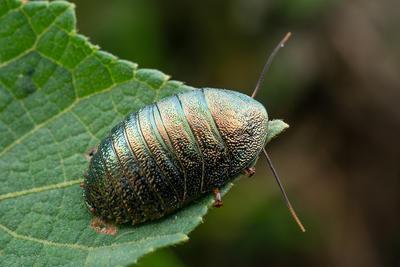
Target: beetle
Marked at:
176, 150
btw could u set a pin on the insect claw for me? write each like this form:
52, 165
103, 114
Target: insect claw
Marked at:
217, 198
102, 227
250, 171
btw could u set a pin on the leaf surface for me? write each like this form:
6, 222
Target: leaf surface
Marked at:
59, 96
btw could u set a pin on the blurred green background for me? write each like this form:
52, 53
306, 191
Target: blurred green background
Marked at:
336, 83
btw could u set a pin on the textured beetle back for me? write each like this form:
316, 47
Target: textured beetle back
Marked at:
173, 151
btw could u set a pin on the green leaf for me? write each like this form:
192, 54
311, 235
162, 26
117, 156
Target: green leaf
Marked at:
275, 127
60, 95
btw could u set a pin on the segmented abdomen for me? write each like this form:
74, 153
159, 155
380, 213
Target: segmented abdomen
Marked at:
157, 160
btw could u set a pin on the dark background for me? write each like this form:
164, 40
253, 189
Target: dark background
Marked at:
336, 83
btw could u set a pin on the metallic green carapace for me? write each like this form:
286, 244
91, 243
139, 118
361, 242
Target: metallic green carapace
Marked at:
173, 151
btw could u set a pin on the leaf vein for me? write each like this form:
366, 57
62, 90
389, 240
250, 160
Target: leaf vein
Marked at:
84, 247
33, 47
40, 189
44, 123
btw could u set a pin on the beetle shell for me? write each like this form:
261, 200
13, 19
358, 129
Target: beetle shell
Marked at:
174, 151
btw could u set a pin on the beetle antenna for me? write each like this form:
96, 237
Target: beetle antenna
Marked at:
290, 207
268, 63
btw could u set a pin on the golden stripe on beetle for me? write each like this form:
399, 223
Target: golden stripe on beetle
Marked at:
171, 152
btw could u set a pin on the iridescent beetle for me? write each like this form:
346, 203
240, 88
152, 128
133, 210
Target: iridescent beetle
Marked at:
174, 151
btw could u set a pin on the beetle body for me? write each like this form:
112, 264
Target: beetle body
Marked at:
172, 152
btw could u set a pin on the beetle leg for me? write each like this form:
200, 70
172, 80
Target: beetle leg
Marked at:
89, 154
217, 198
102, 227
250, 171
